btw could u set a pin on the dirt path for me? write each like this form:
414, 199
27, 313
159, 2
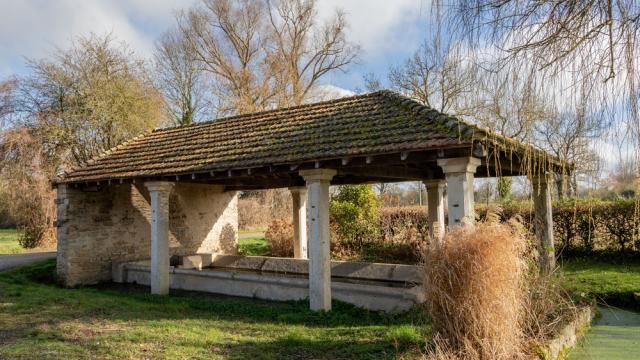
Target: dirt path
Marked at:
615, 335
14, 260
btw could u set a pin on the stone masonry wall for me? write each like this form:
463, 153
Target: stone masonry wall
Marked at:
96, 228
202, 219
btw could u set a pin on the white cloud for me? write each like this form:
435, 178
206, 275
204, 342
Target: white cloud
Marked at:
33, 29
327, 92
381, 26
386, 30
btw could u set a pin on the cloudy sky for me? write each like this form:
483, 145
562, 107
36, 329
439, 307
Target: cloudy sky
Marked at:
387, 31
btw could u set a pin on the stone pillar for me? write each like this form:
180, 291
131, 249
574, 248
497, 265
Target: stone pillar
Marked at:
319, 252
543, 221
459, 176
299, 196
159, 194
435, 206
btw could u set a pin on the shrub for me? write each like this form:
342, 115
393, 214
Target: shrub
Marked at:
395, 222
279, 235
548, 307
25, 188
475, 290
354, 211
622, 222
586, 226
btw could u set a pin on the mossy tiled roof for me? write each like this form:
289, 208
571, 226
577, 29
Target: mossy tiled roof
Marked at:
371, 124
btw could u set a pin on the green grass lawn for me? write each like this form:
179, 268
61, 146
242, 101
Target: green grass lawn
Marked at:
610, 283
9, 242
252, 242
39, 319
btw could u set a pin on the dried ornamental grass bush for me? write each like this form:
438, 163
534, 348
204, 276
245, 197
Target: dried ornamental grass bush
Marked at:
279, 235
548, 307
475, 291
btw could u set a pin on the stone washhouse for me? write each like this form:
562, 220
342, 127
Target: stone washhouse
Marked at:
162, 209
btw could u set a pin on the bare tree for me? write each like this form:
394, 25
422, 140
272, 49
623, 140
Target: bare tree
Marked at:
264, 54
438, 75
623, 176
308, 52
7, 101
71, 107
567, 135
553, 31
371, 82
508, 102
589, 42
180, 79
227, 39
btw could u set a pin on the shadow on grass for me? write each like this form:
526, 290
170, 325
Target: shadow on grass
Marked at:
40, 312
292, 348
283, 329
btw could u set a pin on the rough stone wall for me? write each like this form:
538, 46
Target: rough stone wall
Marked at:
202, 219
96, 228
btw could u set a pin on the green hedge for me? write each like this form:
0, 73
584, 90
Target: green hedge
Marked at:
582, 226
597, 229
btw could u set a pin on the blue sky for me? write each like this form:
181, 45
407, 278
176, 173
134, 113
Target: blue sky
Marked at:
387, 31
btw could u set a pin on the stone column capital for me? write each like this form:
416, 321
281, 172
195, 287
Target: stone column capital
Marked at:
434, 183
459, 165
159, 186
316, 175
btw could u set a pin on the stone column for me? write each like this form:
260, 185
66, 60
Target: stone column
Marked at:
299, 196
159, 193
459, 176
435, 206
318, 222
543, 221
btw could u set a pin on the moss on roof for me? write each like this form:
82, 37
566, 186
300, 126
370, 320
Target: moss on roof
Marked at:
370, 124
